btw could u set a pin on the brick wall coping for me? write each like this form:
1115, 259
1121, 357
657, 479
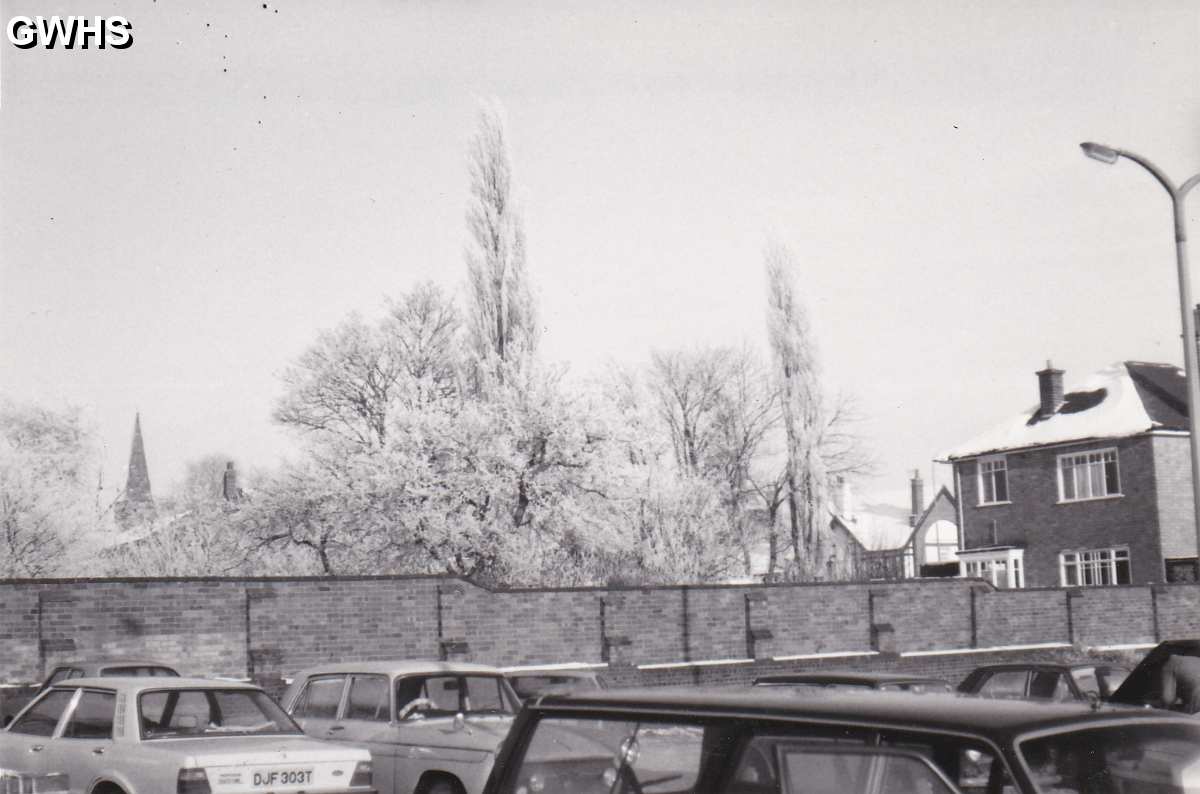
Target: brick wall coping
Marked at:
601, 589
1130, 646
1037, 646
558, 666
827, 655
701, 663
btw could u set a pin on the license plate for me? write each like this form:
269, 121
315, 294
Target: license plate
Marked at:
269, 778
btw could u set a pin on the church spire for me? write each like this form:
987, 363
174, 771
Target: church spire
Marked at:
136, 503
137, 484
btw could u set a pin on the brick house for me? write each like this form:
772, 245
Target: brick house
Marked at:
1088, 487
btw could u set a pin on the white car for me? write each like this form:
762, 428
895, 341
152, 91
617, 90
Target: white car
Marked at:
185, 735
431, 727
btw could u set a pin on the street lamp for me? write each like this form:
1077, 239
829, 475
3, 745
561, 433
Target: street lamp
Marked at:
1107, 154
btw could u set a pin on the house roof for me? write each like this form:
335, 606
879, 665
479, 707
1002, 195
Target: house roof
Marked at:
1124, 399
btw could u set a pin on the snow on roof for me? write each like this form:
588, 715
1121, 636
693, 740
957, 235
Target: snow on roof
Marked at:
1120, 400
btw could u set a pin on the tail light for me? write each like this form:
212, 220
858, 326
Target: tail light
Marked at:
192, 781
363, 775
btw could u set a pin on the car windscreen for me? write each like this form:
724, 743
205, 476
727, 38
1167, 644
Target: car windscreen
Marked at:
172, 713
1159, 757
444, 695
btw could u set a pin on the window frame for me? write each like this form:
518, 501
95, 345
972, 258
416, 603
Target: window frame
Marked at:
1094, 566
991, 461
343, 712
985, 565
300, 697
1087, 466
68, 709
69, 716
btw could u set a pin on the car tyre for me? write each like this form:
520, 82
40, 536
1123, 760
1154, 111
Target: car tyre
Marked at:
441, 785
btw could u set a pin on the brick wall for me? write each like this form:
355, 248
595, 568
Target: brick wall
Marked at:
663, 635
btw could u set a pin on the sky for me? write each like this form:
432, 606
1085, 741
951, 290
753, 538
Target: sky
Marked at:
179, 219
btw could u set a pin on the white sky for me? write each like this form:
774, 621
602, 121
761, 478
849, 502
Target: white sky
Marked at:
174, 234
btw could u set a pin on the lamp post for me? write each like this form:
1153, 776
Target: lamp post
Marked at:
1107, 154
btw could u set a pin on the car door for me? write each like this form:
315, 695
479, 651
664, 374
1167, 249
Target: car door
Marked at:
318, 705
26, 739
366, 721
82, 747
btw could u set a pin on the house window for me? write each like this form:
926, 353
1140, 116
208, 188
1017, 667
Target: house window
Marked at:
1002, 567
1088, 475
1094, 567
993, 480
941, 542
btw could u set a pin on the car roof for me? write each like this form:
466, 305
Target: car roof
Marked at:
996, 719
138, 683
845, 677
398, 667
113, 661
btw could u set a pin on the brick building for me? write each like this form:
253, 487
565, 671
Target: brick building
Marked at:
1088, 487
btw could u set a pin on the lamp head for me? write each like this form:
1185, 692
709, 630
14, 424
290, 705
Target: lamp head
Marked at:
1096, 151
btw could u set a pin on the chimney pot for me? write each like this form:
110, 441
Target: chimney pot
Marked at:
1050, 390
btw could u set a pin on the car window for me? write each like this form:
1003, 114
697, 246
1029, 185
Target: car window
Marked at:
43, 716
970, 765
610, 756
1005, 684
1050, 685
320, 698
62, 674
92, 717
205, 712
139, 670
1133, 757
1086, 680
485, 694
368, 698
824, 769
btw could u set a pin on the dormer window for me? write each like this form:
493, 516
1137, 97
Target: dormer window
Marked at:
993, 480
1088, 475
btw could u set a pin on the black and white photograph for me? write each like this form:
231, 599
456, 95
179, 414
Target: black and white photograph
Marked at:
535, 397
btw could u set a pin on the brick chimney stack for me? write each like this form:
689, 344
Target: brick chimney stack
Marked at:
917, 492
1050, 390
229, 484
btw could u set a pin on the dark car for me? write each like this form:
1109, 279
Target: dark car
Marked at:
886, 682
1142, 686
746, 741
1045, 681
16, 700
528, 682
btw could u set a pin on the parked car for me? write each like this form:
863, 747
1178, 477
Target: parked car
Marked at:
140, 735
831, 679
16, 699
770, 742
529, 682
1142, 686
432, 727
1045, 681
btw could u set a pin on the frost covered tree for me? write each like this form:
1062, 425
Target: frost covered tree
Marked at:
801, 405
501, 317
349, 383
818, 443
48, 488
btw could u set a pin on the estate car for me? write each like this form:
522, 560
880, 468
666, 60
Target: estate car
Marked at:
431, 727
766, 741
185, 735
884, 682
1045, 680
